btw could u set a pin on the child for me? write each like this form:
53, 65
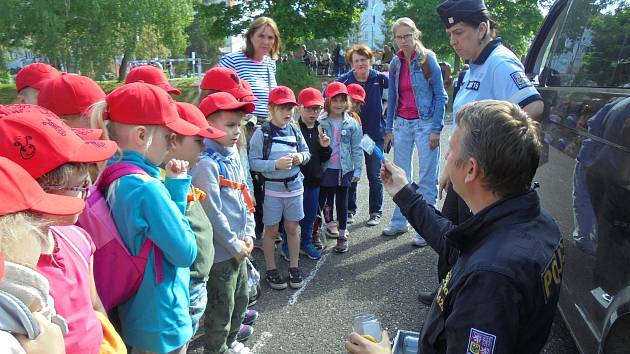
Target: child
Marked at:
344, 166
59, 159
21, 241
222, 79
357, 98
30, 79
189, 148
230, 210
310, 103
143, 120
70, 96
278, 156
151, 75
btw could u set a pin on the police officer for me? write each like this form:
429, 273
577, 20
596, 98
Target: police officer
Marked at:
501, 293
495, 73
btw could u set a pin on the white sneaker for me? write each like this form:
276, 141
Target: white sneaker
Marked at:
374, 220
390, 231
238, 348
419, 241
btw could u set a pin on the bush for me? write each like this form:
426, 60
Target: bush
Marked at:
295, 75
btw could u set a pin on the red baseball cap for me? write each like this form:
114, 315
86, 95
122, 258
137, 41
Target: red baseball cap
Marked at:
20, 192
223, 101
249, 94
223, 79
190, 113
336, 88
282, 95
40, 143
310, 97
34, 75
151, 75
139, 103
357, 92
83, 133
69, 94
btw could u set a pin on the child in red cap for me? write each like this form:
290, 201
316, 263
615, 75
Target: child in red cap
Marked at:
30, 79
59, 159
344, 166
70, 97
143, 120
279, 159
229, 207
21, 241
189, 148
151, 75
222, 79
357, 99
310, 104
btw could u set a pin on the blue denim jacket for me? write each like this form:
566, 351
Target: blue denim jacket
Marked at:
430, 97
350, 149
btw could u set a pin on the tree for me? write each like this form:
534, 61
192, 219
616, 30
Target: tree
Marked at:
298, 20
518, 23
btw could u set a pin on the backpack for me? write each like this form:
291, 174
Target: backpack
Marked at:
225, 182
268, 138
117, 273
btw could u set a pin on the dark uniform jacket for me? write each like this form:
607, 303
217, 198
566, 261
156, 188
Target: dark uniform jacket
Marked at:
501, 294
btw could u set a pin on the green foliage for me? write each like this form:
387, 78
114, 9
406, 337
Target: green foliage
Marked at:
298, 20
518, 22
295, 75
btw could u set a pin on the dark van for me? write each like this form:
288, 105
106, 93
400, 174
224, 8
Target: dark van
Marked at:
580, 62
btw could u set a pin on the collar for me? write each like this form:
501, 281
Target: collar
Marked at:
371, 75
401, 55
303, 125
485, 53
216, 147
137, 159
506, 211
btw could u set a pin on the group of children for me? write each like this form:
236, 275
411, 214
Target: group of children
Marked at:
176, 181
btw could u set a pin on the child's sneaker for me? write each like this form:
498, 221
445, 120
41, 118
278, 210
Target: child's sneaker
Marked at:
350, 219
342, 245
317, 242
331, 229
238, 348
284, 252
275, 281
295, 278
250, 317
310, 251
244, 333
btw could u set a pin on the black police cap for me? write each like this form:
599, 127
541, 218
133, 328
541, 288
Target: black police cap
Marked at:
454, 11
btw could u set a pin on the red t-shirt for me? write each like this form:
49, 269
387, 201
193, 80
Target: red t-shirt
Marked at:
68, 272
406, 100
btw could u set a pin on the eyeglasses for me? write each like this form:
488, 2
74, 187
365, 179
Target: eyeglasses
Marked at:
313, 109
404, 38
84, 188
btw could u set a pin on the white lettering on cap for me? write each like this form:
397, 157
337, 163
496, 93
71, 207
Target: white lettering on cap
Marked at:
450, 20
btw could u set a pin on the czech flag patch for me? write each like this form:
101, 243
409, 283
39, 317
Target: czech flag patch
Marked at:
480, 342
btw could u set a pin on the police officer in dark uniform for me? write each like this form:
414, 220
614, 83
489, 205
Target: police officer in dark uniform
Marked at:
500, 295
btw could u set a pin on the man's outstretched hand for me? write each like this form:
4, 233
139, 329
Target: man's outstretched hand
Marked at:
393, 177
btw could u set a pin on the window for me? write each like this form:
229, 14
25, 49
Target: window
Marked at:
593, 48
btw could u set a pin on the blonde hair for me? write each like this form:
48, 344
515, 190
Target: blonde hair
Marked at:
15, 226
257, 24
329, 99
417, 35
59, 177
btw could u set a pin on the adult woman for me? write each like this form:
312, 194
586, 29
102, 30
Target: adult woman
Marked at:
256, 63
415, 115
495, 73
373, 82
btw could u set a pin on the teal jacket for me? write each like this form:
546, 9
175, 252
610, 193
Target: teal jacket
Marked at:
156, 318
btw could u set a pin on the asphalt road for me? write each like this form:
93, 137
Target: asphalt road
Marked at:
379, 275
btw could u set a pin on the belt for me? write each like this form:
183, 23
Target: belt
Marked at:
285, 180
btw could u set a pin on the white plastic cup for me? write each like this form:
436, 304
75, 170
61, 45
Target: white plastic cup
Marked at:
368, 326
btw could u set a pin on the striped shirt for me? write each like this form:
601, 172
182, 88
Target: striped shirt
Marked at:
261, 76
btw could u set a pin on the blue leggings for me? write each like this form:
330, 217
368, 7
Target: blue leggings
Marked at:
311, 207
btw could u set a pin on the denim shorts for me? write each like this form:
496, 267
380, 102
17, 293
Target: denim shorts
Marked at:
275, 207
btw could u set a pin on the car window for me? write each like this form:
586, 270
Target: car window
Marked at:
593, 48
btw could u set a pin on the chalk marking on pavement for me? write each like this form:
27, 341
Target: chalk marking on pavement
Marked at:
264, 336
293, 299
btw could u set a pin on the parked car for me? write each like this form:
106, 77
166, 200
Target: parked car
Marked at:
580, 62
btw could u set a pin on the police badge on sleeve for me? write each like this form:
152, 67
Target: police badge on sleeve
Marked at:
480, 342
520, 79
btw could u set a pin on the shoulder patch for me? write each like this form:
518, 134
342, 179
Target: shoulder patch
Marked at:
520, 79
480, 342
551, 276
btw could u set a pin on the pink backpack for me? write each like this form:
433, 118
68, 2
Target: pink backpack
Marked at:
117, 273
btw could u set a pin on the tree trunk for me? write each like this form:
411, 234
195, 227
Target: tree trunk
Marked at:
122, 70
458, 63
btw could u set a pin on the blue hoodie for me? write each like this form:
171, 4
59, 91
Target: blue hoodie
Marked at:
372, 119
156, 318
